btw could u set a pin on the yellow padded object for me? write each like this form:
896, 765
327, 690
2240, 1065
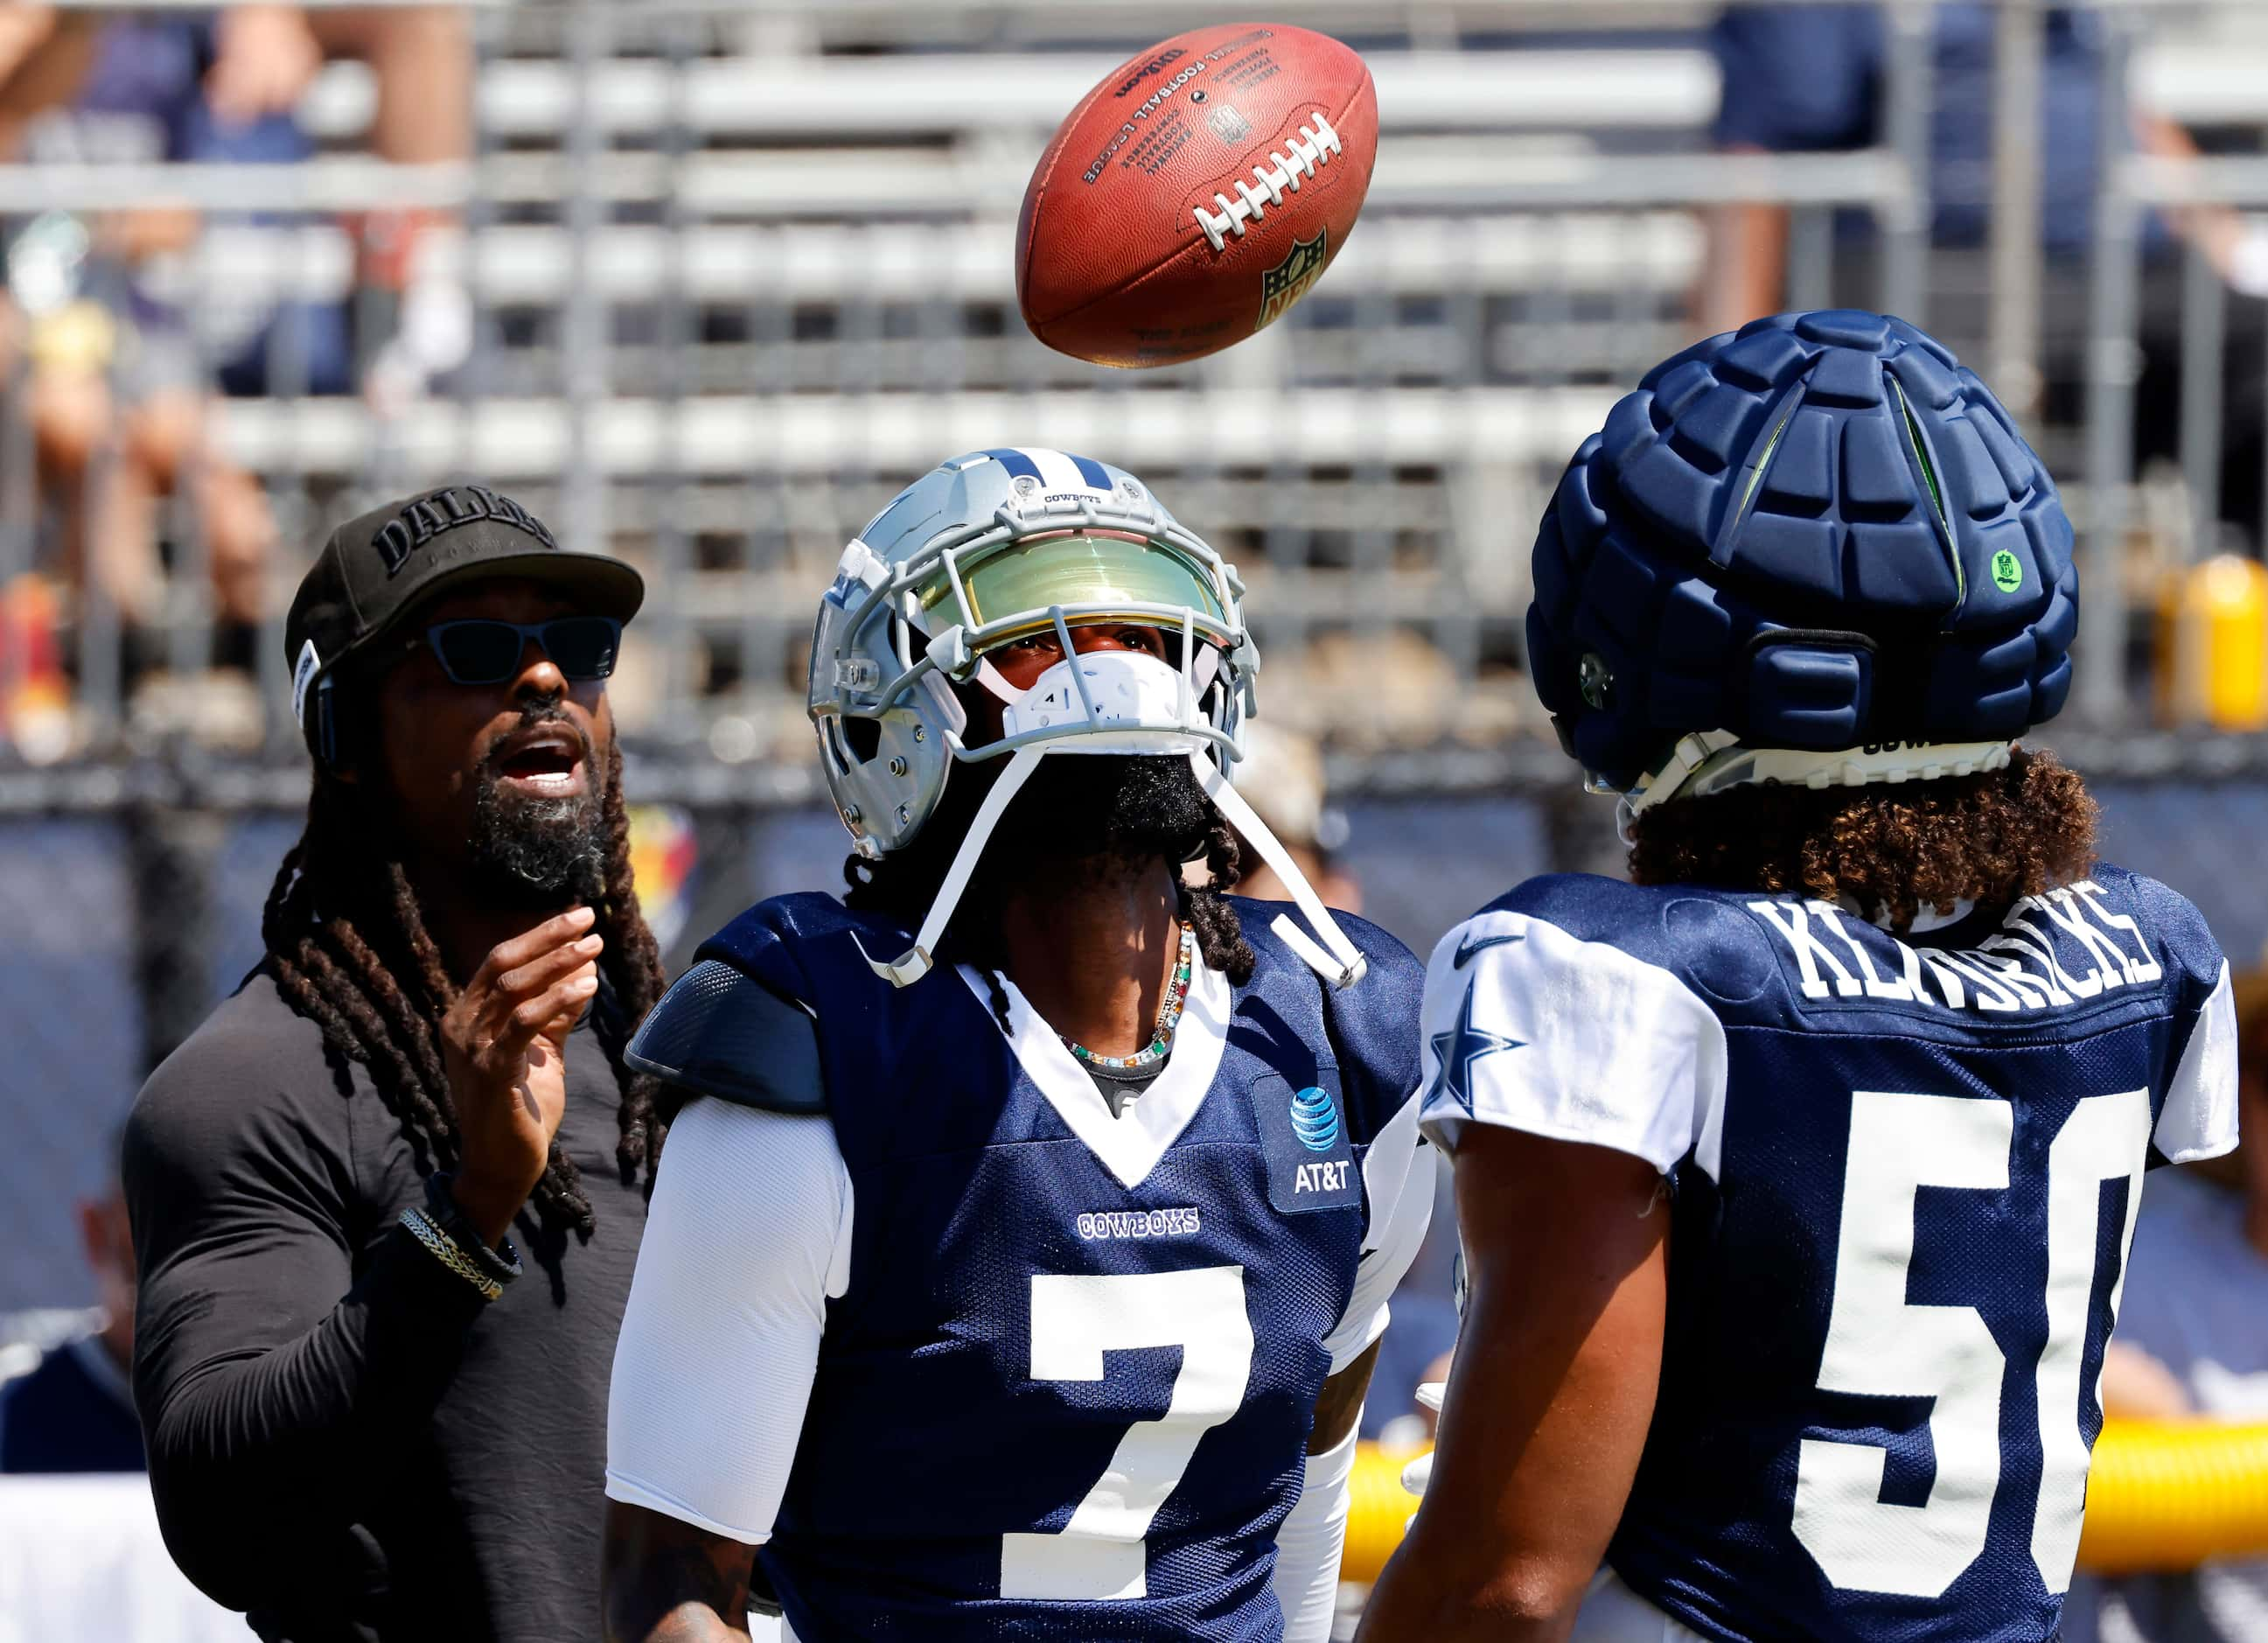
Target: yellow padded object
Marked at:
2171, 1494
2160, 1495
1377, 1511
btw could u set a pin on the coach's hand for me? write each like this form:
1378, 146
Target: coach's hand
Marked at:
504, 1043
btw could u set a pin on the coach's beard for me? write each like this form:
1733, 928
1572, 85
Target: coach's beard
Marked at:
538, 852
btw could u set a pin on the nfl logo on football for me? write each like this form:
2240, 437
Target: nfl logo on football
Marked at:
1227, 124
1287, 281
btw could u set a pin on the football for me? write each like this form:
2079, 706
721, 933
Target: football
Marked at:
1199, 190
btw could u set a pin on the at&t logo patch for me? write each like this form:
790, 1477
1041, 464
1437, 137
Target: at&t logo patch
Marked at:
1303, 1136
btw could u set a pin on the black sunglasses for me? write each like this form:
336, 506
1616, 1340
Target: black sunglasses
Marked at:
482, 650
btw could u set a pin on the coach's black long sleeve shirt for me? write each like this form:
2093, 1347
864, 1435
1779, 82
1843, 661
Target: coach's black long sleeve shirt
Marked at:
344, 1439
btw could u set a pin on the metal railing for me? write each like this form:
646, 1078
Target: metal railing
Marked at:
734, 289
741, 299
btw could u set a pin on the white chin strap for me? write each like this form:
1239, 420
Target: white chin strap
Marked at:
911, 965
1335, 958
1104, 701
1711, 761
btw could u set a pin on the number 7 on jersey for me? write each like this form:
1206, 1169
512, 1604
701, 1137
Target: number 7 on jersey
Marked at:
1101, 1552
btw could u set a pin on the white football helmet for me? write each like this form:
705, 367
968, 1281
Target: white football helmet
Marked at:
994, 547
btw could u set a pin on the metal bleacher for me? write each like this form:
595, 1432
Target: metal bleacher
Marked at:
742, 270
790, 288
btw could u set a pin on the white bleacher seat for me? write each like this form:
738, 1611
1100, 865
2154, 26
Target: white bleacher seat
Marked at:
969, 261
2210, 73
893, 432
845, 97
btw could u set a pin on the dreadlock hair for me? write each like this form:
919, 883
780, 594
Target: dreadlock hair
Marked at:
350, 950
903, 884
1987, 839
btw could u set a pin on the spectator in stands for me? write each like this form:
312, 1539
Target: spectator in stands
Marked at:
1814, 77
119, 380
73, 1412
422, 59
43, 53
2193, 1340
121, 373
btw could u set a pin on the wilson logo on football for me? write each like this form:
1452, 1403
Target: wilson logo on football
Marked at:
1288, 281
1156, 65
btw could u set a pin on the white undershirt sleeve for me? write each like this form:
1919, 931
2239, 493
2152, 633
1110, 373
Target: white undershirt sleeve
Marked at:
2199, 1119
1397, 1177
748, 1236
1311, 1542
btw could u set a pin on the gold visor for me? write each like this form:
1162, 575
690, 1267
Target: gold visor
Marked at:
1092, 570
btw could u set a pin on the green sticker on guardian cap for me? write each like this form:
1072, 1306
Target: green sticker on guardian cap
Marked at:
2007, 572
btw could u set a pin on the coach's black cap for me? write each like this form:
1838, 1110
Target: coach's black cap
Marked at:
377, 568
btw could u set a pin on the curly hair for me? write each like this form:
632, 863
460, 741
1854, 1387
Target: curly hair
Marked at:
1894, 850
350, 950
902, 886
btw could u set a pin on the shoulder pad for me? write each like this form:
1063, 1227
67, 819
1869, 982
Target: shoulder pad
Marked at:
1585, 904
1370, 1027
2172, 925
1381, 951
719, 1032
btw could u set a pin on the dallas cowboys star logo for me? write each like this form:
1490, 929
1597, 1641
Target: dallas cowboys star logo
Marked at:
1457, 1050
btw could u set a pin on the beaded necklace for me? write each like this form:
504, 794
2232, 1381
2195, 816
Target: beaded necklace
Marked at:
1169, 1017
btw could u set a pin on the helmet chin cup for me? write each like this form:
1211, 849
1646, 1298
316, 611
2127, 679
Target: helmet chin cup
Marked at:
1108, 702
1626, 822
1091, 701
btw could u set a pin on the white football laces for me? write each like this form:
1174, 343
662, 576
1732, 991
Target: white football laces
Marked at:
1311, 149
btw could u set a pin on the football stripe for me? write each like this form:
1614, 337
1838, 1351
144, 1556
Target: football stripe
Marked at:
1091, 471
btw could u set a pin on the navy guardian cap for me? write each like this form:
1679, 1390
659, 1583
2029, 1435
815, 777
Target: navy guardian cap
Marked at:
1815, 551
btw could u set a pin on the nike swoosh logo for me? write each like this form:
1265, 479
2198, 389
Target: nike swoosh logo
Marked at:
1471, 944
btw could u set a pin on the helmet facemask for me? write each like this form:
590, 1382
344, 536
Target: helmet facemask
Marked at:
903, 641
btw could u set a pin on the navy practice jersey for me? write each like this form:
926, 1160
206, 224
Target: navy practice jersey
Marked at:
1066, 1389
1905, 1174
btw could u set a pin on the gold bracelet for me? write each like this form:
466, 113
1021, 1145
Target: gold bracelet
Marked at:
445, 1251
